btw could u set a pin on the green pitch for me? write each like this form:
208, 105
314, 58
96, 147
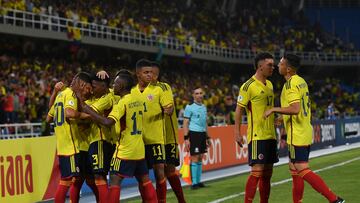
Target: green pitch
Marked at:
344, 180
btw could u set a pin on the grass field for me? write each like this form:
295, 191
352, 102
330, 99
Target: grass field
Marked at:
344, 180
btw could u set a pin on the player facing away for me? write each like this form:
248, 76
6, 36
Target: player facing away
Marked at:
256, 96
171, 139
64, 113
156, 104
295, 108
129, 157
195, 135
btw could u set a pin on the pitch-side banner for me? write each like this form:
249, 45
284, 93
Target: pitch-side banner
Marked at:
26, 168
224, 151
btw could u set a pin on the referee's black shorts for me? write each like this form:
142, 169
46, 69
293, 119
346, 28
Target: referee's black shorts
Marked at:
197, 142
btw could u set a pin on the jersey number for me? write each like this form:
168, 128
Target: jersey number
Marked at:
135, 130
59, 116
159, 150
306, 106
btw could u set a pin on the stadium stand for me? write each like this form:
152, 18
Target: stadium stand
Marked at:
254, 25
31, 68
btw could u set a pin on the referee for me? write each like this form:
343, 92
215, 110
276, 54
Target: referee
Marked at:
195, 134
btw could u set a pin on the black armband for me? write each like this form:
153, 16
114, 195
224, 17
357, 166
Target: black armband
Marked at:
186, 137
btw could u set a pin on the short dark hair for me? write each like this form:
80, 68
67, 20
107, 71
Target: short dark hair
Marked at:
155, 64
128, 78
292, 60
124, 72
196, 87
261, 56
84, 76
106, 80
143, 63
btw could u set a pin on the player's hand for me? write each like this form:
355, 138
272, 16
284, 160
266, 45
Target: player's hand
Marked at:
168, 110
208, 142
58, 86
84, 115
102, 74
267, 113
187, 145
278, 121
240, 140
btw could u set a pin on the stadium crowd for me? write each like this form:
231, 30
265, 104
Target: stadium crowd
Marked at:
26, 83
250, 25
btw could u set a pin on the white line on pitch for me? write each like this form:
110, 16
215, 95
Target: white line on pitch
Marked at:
287, 180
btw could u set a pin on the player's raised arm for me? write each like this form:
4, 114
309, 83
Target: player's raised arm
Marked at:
57, 88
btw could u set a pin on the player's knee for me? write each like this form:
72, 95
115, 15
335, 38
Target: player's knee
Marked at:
267, 173
99, 177
77, 179
159, 170
256, 173
66, 181
115, 180
143, 179
169, 170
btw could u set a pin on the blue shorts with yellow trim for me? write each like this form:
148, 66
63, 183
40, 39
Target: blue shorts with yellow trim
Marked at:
70, 165
172, 154
100, 154
154, 154
128, 168
85, 165
299, 153
263, 152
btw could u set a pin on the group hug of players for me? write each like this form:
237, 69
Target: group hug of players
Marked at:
125, 130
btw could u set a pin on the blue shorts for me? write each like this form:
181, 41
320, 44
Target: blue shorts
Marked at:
70, 165
85, 165
100, 153
298, 154
154, 154
172, 154
262, 152
128, 168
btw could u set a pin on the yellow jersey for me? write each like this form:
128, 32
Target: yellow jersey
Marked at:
154, 99
66, 130
170, 122
116, 128
256, 98
298, 127
102, 106
129, 112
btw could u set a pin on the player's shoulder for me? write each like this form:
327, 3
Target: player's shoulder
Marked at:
189, 105
294, 81
246, 85
160, 86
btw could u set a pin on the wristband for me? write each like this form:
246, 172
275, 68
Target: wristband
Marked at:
186, 137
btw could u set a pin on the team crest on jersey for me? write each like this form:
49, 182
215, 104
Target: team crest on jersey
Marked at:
71, 103
240, 98
150, 97
261, 156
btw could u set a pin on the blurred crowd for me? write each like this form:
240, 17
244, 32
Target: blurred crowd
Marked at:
250, 25
26, 84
